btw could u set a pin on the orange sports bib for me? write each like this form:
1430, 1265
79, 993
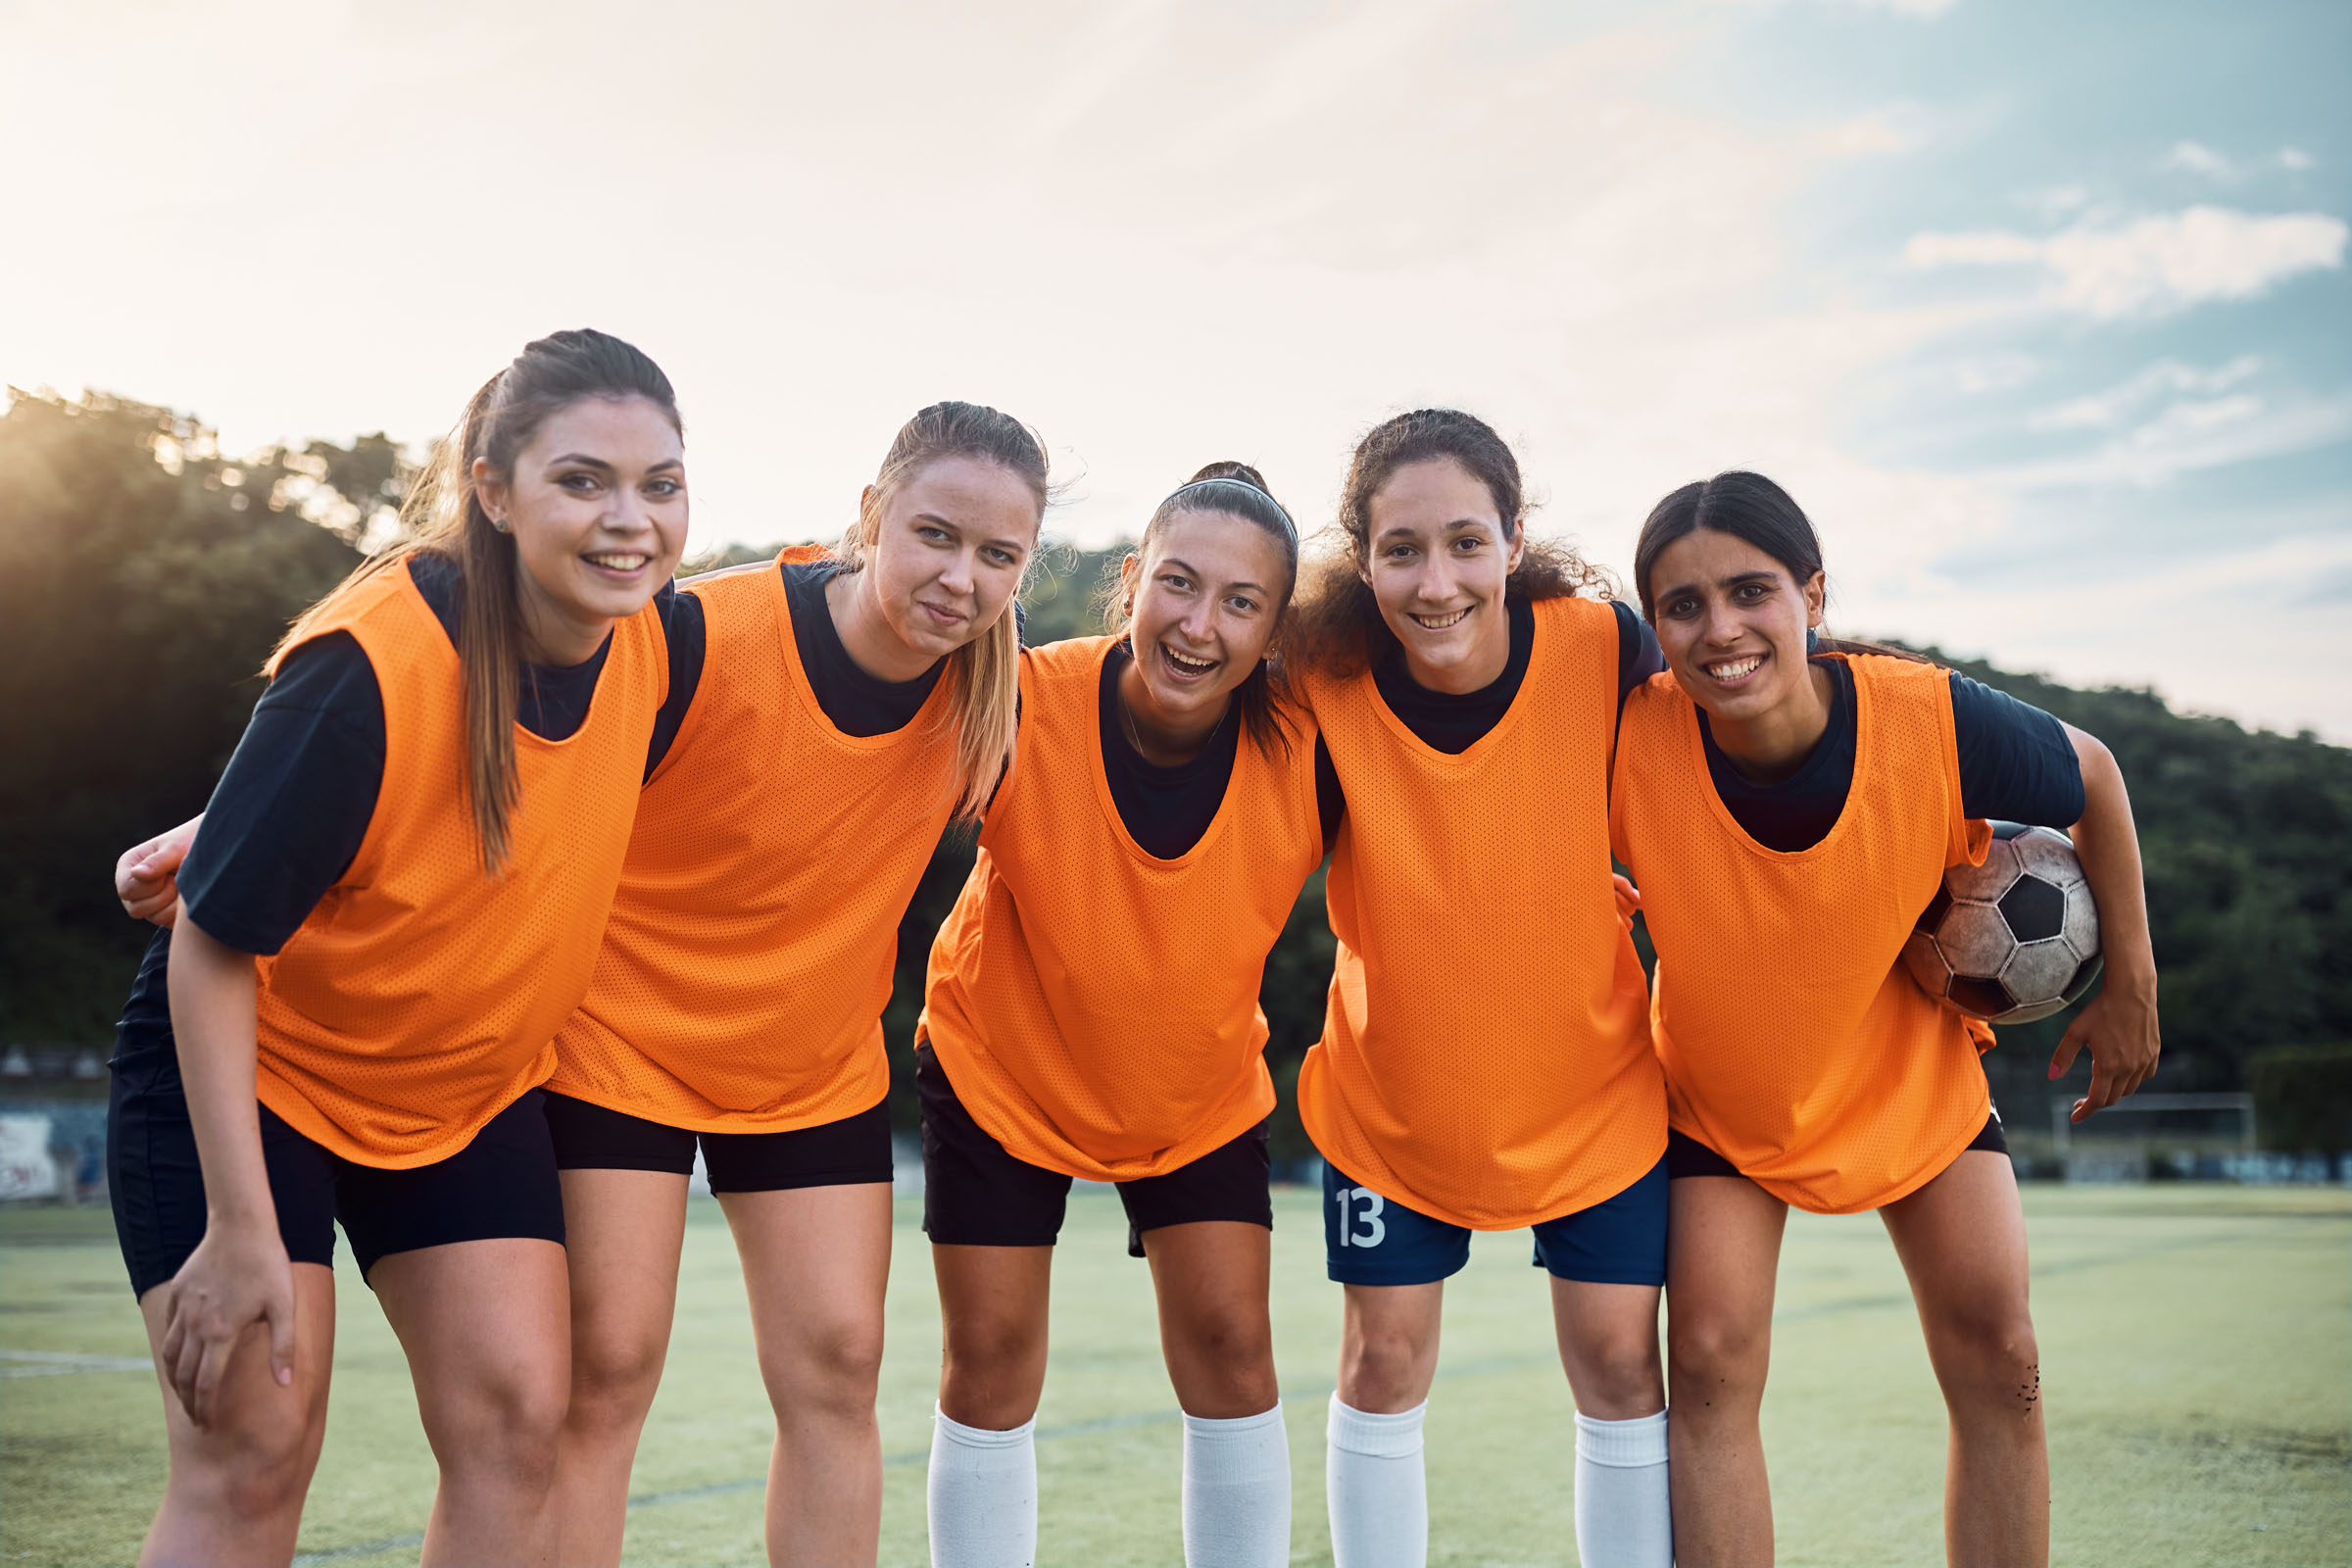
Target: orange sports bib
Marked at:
1795, 1042
749, 957
1096, 1007
1485, 1058
421, 997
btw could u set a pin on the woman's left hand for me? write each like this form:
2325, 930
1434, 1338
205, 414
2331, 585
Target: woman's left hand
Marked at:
2119, 1029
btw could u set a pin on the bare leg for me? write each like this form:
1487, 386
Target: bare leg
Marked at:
993, 1303
1608, 1338
1212, 1279
816, 1260
1723, 1251
1389, 1345
487, 1328
233, 1494
1962, 1239
623, 1231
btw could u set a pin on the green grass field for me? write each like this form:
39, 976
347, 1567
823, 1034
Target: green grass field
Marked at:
2196, 1346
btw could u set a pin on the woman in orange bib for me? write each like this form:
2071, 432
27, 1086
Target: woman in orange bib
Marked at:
1787, 815
397, 901
849, 705
1485, 1062
1092, 1011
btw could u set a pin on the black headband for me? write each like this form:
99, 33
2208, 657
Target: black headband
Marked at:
1279, 509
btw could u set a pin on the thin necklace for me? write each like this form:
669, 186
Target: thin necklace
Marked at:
1127, 721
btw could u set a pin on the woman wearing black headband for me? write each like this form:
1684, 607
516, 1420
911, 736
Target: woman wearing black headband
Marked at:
1092, 1011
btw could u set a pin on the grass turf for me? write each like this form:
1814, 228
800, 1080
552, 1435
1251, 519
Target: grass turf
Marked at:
2196, 1346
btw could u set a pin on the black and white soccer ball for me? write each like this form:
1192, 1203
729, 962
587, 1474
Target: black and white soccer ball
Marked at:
2012, 940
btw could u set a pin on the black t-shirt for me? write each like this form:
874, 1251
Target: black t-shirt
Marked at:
1453, 723
2016, 764
291, 808
856, 702
1166, 809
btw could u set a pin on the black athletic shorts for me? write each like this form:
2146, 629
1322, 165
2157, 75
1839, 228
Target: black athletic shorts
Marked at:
502, 1184
833, 1154
1688, 1157
977, 1193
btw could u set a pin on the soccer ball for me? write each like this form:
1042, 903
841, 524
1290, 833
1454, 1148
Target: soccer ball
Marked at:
2015, 938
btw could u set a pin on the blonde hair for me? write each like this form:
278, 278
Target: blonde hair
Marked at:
443, 516
983, 676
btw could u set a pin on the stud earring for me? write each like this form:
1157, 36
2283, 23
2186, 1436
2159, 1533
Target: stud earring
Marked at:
500, 523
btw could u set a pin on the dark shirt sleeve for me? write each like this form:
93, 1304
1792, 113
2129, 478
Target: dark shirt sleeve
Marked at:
1330, 804
2016, 762
682, 629
290, 812
1639, 656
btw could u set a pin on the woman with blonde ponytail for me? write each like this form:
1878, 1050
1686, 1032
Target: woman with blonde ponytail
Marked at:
395, 903
852, 705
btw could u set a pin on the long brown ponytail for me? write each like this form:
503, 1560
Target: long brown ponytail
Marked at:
984, 674
443, 516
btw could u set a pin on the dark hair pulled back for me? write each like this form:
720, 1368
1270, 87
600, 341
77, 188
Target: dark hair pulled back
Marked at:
1338, 625
1263, 699
1755, 510
443, 515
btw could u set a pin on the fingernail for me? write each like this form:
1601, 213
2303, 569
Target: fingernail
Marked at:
2056, 1072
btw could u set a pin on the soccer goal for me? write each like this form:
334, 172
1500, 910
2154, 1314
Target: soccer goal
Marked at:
2155, 1137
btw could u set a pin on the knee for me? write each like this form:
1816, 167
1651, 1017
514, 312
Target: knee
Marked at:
833, 1367
1235, 1349
1382, 1369
260, 1469
1621, 1375
614, 1374
1996, 1355
1714, 1359
507, 1424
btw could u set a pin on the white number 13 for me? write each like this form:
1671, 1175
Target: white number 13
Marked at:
1375, 1229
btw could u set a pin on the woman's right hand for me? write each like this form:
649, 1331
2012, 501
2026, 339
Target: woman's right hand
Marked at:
147, 877
239, 1275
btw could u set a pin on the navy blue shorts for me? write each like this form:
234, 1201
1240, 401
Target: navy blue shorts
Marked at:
502, 1184
852, 1151
1369, 1240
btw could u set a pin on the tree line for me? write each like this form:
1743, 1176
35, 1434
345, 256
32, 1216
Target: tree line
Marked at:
144, 574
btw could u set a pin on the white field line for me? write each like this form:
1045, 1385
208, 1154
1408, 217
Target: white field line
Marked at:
56, 1363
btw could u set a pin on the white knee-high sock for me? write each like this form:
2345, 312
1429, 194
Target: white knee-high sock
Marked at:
1623, 1519
981, 1495
1237, 1491
1379, 1497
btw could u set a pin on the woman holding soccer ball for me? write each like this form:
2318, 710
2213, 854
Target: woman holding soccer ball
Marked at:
1787, 814
1093, 1012
395, 905
1486, 1061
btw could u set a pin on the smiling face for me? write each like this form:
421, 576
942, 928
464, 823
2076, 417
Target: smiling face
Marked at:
1731, 622
597, 507
1206, 594
1436, 559
949, 549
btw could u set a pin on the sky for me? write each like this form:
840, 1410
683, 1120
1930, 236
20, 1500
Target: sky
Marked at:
2041, 312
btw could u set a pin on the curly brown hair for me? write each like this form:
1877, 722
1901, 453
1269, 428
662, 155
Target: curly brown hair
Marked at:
1338, 627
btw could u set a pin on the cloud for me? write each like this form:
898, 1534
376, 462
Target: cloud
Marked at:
2161, 262
2196, 158
2295, 158
2104, 410
1925, 10
2192, 435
